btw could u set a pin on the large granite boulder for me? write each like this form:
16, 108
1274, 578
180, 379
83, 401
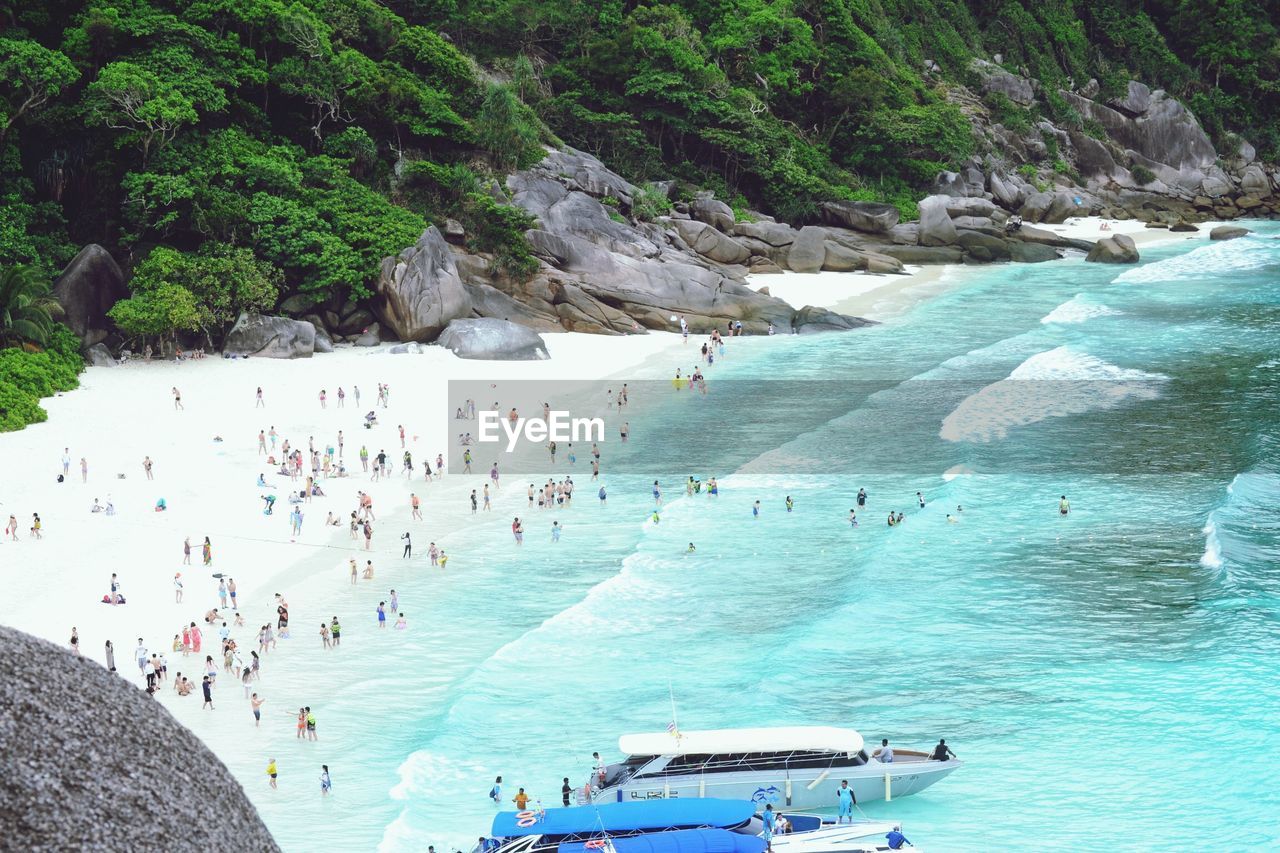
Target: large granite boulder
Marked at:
491, 339
712, 243
1228, 232
717, 214
811, 318
582, 171
419, 290
1116, 249
868, 216
270, 337
82, 769
87, 289
809, 251
1136, 100
1017, 89
772, 233
1164, 131
1254, 181
936, 228
924, 254
981, 246
99, 356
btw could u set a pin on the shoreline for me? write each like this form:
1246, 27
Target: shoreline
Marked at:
885, 296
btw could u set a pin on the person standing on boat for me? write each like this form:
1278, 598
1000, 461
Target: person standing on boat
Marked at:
885, 753
599, 768
770, 822
565, 791
846, 801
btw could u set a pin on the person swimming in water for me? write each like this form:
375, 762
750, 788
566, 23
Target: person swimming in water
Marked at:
1064, 506
690, 549
790, 503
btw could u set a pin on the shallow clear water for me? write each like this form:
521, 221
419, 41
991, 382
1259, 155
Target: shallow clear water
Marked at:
1111, 674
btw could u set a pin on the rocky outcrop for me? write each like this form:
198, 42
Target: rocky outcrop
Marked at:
717, 214
487, 338
1116, 249
867, 216
809, 250
711, 243
99, 356
810, 319
1228, 232
87, 289
419, 291
81, 770
936, 228
261, 336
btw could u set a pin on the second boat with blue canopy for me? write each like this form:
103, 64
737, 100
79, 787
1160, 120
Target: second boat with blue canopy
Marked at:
611, 818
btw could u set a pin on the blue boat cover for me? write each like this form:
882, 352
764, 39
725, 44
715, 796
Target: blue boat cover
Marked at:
692, 813
680, 841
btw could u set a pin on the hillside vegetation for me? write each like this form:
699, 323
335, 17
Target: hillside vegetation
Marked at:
289, 146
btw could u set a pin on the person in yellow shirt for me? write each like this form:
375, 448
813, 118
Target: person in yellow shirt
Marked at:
521, 799
271, 771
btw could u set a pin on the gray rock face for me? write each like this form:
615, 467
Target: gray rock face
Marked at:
773, 233
1004, 191
925, 254
867, 216
270, 337
1228, 232
80, 769
1137, 99
811, 319
419, 290
936, 228
297, 304
99, 356
982, 247
1254, 181
1116, 249
996, 79
1214, 186
1165, 131
371, 337
487, 338
586, 173
842, 259
809, 251
1031, 253
87, 289
324, 343
712, 243
717, 214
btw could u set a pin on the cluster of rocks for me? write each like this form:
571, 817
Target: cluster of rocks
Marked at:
1118, 144
80, 768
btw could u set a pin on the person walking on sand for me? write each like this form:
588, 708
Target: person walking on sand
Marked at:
342, 397
354, 571
84, 470
208, 552
258, 404
177, 588
146, 466
417, 507
186, 551
322, 399
75, 641
207, 688
177, 398
295, 519
66, 462
493, 475
36, 526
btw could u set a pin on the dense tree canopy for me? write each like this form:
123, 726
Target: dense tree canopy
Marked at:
307, 139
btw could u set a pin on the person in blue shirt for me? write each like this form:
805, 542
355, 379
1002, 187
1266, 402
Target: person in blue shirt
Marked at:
770, 821
845, 800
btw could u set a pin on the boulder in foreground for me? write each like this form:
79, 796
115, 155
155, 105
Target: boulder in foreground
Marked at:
1116, 249
493, 339
1228, 232
270, 337
82, 769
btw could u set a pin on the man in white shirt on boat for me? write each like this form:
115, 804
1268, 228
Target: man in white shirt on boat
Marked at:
885, 753
599, 768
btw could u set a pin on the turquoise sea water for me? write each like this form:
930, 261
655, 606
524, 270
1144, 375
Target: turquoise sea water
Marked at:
1109, 677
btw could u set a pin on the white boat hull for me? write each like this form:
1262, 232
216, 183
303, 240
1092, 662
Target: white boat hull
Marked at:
788, 789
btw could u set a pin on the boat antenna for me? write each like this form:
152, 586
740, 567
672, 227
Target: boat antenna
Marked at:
674, 728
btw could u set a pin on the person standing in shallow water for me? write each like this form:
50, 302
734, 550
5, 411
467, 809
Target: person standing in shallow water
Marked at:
1064, 506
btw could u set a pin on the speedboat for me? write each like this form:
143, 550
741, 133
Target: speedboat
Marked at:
795, 767
676, 826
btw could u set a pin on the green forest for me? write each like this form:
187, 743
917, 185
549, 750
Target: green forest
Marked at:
232, 152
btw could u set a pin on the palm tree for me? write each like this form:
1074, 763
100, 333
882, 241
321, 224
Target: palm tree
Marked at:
27, 307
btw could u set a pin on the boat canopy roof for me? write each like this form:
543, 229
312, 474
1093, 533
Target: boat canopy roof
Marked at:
636, 816
729, 741
681, 841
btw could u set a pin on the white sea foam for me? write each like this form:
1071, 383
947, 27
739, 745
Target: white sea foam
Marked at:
1205, 262
1212, 557
1056, 383
1077, 310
